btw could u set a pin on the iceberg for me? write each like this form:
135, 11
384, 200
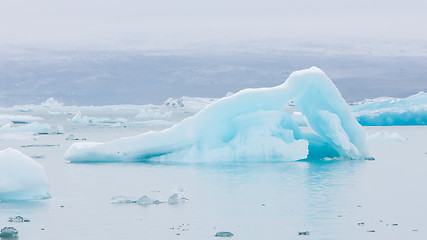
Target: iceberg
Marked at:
153, 113
78, 118
21, 178
52, 103
253, 124
392, 111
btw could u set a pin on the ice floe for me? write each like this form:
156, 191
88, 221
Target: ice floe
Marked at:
386, 137
35, 127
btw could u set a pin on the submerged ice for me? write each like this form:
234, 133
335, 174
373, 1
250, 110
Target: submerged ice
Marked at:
21, 178
251, 124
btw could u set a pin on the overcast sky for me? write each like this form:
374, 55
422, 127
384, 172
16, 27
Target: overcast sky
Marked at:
84, 22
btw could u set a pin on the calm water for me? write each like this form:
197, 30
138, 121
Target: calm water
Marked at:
256, 200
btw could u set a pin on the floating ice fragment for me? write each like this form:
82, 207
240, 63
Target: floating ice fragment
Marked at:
40, 145
21, 118
18, 219
250, 124
386, 137
153, 113
224, 234
52, 103
174, 103
72, 138
32, 127
21, 178
144, 200
60, 129
8, 232
174, 199
122, 200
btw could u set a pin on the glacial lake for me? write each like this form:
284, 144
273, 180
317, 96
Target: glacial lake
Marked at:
383, 198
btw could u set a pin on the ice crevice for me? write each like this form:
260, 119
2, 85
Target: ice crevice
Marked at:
253, 124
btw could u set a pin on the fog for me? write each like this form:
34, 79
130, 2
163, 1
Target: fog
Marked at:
177, 23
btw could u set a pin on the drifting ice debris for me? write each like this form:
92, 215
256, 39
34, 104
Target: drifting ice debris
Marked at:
386, 137
40, 145
173, 199
305, 233
224, 234
72, 138
144, 200
250, 124
176, 198
35, 127
122, 200
18, 219
60, 129
8, 232
174, 103
153, 113
51, 103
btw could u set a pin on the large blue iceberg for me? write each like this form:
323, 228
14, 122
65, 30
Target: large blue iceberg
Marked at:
253, 124
392, 111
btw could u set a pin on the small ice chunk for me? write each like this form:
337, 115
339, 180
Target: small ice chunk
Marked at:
8, 232
70, 138
122, 200
386, 137
32, 127
52, 103
60, 129
174, 199
145, 200
174, 103
153, 113
224, 234
18, 219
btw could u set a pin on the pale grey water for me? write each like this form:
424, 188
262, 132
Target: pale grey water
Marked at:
256, 200
30, 76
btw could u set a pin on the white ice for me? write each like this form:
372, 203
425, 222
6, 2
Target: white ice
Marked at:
78, 118
154, 113
21, 178
251, 124
35, 127
386, 137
